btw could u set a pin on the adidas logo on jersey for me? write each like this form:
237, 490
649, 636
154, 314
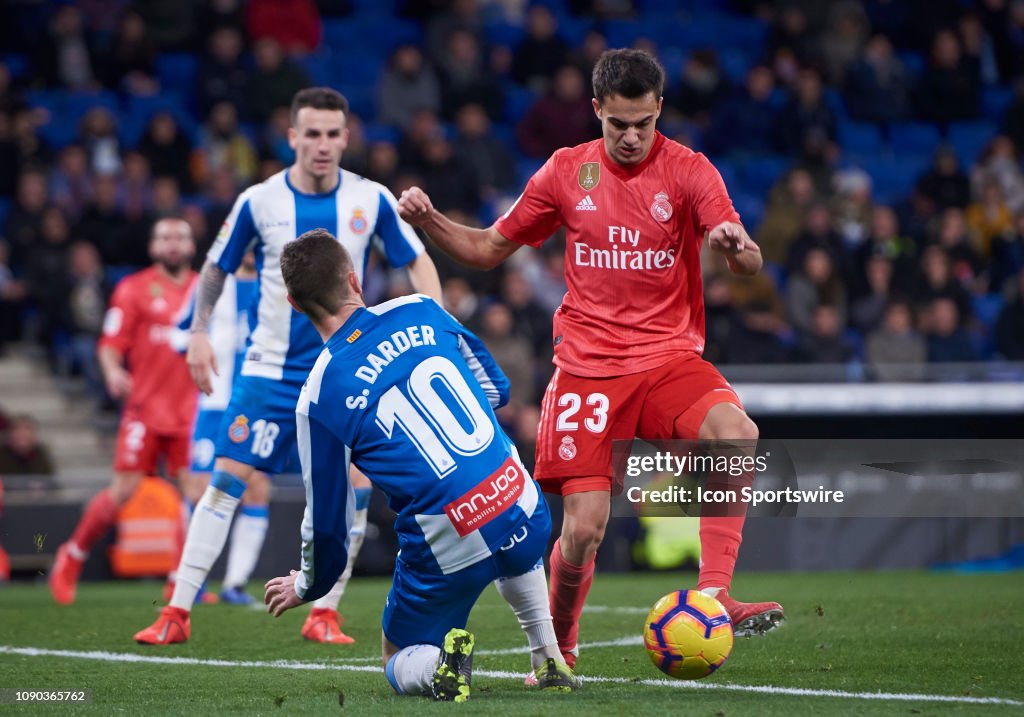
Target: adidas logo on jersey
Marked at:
586, 205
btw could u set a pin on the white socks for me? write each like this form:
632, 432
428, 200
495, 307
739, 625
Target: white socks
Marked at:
355, 543
527, 594
207, 533
411, 670
247, 536
712, 592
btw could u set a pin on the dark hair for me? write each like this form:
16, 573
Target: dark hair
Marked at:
315, 268
627, 73
319, 98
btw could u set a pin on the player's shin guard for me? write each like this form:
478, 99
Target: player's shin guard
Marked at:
569, 587
207, 534
247, 538
527, 595
99, 516
410, 671
356, 537
720, 539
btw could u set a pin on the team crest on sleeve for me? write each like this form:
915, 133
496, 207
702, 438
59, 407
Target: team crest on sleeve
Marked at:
358, 222
567, 451
661, 209
239, 430
589, 175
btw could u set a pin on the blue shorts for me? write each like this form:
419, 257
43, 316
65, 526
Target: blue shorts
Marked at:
258, 426
203, 453
422, 607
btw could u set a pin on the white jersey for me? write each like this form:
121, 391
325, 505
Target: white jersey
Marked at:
265, 217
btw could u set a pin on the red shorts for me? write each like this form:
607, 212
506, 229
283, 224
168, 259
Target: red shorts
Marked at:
139, 449
580, 417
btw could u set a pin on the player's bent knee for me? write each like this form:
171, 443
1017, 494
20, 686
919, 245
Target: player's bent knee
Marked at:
258, 492
581, 539
728, 422
239, 470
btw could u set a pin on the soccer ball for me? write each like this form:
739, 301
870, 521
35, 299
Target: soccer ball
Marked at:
688, 635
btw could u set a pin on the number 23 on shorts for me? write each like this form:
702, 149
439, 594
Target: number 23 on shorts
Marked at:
592, 409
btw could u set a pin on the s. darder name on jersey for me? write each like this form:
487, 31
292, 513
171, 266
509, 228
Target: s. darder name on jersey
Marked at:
387, 351
626, 258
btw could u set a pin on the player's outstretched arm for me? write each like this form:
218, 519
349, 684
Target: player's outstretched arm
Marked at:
200, 357
423, 277
479, 248
740, 251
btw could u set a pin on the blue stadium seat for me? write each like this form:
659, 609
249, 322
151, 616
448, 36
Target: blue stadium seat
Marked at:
969, 138
987, 308
356, 67
376, 132
17, 65
995, 101
526, 167
360, 97
517, 101
860, 138
730, 173
913, 62
736, 62
5, 208
893, 178
760, 173
914, 137
317, 66
504, 133
140, 109
505, 34
177, 71
750, 208
573, 29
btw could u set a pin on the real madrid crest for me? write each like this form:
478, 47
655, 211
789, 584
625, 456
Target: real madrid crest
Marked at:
238, 431
358, 222
661, 209
567, 451
589, 175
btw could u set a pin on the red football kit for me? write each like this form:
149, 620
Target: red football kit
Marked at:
629, 333
159, 411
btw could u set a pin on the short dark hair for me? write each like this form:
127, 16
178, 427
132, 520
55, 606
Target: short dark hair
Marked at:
627, 73
319, 98
315, 268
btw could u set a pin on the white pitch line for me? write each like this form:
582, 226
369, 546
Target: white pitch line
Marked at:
505, 675
524, 650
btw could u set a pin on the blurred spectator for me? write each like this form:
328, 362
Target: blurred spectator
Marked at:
866, 312
783, 219
896, 352
746, 121
603, 9
805, 115
274, 140
166, 197
1009, 331
953, 236
215, 15
64, 58
407, 86
98, 134
130, 65
540, 52
817, 233
273, 81
790, 35
22, 453
12, 299
168, 150
294, 24
844, 38
1007, 255
221, 192
525, 429
172, 25
30, 149
756, 338
877, 86
990, 216
1013, 121
586, 55
512, 352
947, 341
484, 154
221, 76
71, 184
816, 282
529, 319
223, 147
886, 240
8, 158
47, 262
23, 220
825, 342
357, 150
456, 16
465, 78
460, 301
422, 127
382, 163
950, 89
999, 162
11, 99
85, 301
564, 117
102, 223
945, 183
851, 207
545, 272
936, 281
701, 88
979, 48
136, 201
446, 179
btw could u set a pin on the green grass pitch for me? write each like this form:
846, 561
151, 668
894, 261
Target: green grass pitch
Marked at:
933, 635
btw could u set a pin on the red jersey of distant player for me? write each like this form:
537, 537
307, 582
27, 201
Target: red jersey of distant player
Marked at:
139, 324
632, 255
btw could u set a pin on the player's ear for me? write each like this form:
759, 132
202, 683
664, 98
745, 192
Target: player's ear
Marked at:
293, 138
353, 284
294, 305
597, 106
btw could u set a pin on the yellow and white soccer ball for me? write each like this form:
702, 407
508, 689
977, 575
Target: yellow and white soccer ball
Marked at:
688, 635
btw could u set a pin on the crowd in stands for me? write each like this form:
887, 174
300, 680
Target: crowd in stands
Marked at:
872, 148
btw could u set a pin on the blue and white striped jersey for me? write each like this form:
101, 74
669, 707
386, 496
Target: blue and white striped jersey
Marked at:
229, 336
267, 216
408, 394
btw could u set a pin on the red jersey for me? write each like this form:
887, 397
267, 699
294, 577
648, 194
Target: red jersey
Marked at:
632, 252
139, 324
